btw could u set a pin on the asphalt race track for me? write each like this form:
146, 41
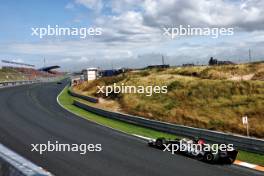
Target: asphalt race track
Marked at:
30, 114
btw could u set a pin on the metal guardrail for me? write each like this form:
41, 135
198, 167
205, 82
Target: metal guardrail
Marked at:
23, 82
90, 99
16, 83
11, 164
241, 142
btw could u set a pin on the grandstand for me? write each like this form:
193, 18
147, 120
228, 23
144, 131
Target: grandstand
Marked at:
11, 71
49, 69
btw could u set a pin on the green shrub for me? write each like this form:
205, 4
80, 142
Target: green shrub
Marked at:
174, 85
144, 73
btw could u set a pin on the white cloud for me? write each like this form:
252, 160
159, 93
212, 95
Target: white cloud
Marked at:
96, 5
18, 60
133, 27
125, 5
69, 6
244, 14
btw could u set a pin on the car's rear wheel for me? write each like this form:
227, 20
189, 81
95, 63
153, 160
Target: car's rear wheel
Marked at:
199, 157
230, 161
209, 157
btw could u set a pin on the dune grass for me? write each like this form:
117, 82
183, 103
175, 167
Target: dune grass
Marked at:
195, 97
10, 75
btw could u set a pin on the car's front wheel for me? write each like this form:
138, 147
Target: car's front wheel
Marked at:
160, 142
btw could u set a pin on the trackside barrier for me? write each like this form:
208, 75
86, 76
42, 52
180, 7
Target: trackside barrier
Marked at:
241, 142
11, 164
23, 82
90, 99
16, 83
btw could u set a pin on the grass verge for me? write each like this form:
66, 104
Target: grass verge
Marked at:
66, 101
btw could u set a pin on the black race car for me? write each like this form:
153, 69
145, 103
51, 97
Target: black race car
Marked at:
198, 149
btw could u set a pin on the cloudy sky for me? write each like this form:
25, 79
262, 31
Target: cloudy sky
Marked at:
132, 32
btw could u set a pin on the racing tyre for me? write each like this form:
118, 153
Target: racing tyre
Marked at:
209, 157
199, 157
160, 142
230, 161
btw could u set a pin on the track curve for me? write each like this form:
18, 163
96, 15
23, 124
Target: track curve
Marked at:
30, 114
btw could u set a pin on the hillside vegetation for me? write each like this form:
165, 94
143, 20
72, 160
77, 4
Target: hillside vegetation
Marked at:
10, 75
214, 98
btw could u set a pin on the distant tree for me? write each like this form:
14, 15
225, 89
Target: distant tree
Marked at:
212, 61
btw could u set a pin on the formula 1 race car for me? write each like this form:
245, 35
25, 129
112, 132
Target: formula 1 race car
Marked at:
198, 149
